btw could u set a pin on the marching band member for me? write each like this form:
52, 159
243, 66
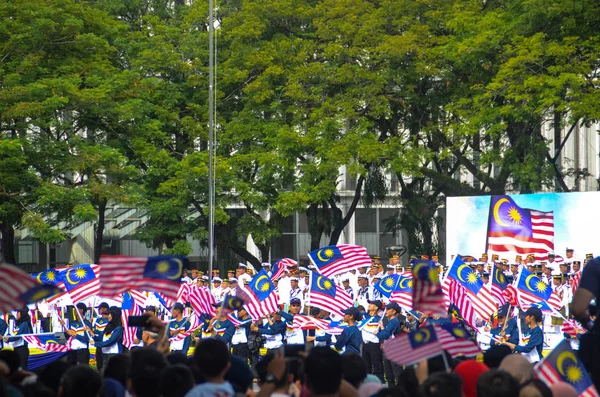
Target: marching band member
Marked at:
220, 326
239, 340
242, 274
293, 336
217, 291
350, 339
347, 288
267, 267
273, 329
296, 291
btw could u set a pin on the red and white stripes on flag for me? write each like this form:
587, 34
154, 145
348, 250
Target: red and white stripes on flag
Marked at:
195, 323
456, 346
512, 296
86, 290
201, 300
129, 332
458, 295
353, 257
255, 308
13, 284
572, 328
337, 304
400, 351
139, 297
482, 302
121, 273
539, 244
34, 342
403, 298
306, 322
281, 266
576, 280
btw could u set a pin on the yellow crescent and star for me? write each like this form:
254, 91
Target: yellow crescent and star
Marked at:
540, 286
402, 280
164, 267
572, 372
388, 282
500, 276
80, 273
471, 276
513, 213
418, 267
323, 283
422, 336
264, 286
328, 252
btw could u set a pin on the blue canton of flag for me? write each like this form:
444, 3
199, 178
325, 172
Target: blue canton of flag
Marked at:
261, 285
50, 277
325, 294
543, 306
533, 285
563, 365
422, 336
326, 255
164, 267
388, 284
499, 284
39, 292
261, 295
466, 276
77, 276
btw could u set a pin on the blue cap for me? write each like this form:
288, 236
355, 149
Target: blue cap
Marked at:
354, 312
393, 306
295, 301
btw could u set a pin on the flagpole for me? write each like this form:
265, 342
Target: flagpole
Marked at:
211, 138
78, 315
446, 364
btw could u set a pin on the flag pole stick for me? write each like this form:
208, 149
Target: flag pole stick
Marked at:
78, 315
446, 364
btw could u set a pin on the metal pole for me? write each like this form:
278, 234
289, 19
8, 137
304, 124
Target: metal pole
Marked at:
211, 133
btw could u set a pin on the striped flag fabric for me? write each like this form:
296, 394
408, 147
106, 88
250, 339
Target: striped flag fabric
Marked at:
341, 258
195, 323
480, 297
236, 321
428, 296
413, 347
563, 365
81, 281
455, 340
572, 328
261, 295
458, 295
575, 281
513, 230
281, 266
304, 322
18, 289
512, 296
139, 297
325, 294
531, 289
160, 274
499, 284
48, 343
403, 294
129, 308
202, 300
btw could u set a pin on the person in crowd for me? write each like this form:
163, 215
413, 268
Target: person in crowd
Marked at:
100, 324
239, 340
392, 370
22, 327
442, 385
469, 372
212, 359
497, 383
80, 380
518, 366
535, 388
350, 339
281, 385
111, 340
371, 349
293, 335
323, 372
273, 329
177, 326
533, 341
80, 353
176, 381
220, 326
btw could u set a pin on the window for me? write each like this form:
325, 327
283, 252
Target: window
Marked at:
366, 220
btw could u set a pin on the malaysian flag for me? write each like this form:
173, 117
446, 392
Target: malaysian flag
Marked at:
512, 296
129, 308
326, 295
575, 282
156, 273
572, 328
280, 267
195, 323
531, 289
47, 343
499, 284
428, 297
306, 322
261, 297
513, 230
413, 347
18, 289
456, 340
341, 258
183, 295
139, 297
481, 298
202, 300
563, 365
387, 285
458, 295
403, 294
81, 281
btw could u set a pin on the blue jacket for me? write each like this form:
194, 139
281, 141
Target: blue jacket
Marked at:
21, 330
225, 330
511, 332
77, 326
536, 341
351, 339
278, 327
115, 337
177, 325
392, 328
3, 329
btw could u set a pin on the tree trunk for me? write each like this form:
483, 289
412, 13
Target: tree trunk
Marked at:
342, 221
99, 231
315, 226
7, 251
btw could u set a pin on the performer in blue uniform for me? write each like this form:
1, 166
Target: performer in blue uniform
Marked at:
80, 353
111, 340
23, 326
533, 341
351, 338
221, 327
178, 326
507, 330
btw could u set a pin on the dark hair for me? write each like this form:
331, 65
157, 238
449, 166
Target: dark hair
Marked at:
212, 357
24, 318
176, 358
323, 371
114, 322
117, 368
81, 380
497, 383
442, 384
354, 368
393, 392
261, 371
51, 375
407, 381
12, 359
539, 385
495, 354
144, 371
176, 380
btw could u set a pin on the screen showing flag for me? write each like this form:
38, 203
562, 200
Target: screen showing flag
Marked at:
514, 230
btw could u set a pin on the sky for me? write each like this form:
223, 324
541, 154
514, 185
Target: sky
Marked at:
576, 219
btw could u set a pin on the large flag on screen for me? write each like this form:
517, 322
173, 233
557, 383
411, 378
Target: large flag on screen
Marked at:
156, 273
341, 258
480, 296
563, 365
513, 230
